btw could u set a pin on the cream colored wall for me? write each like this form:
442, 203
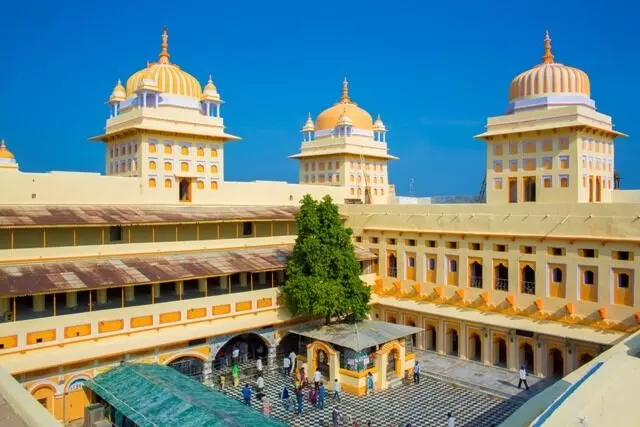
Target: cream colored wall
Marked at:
128, 157
626, 196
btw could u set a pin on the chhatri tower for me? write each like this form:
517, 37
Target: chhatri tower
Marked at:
346, 148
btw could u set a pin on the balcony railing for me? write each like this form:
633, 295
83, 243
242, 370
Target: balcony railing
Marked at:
528, 287
475, 282
393, 272
502, 284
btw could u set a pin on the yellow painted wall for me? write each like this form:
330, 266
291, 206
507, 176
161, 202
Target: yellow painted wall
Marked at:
243, 306
110, 326
141, 321
170, 317
46, 396
221, 309
9, 341
77, 331
41, 336
196, 313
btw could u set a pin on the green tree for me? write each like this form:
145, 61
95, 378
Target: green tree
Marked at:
323, 273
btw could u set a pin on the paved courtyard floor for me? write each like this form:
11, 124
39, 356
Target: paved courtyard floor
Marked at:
477, 395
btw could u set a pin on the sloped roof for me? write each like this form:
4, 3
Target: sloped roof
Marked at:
159, 396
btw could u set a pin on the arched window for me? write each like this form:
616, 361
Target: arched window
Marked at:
556, 275
359, 191
168, 166
152, 165
184, 150
167, 149
214, 153
152, 148
117, 151
623, 280
152, 183
184, 167
111, 152
375, 191
167, 183
351, 179
200, 168
117, 167
351, 191
214, 185
111, 168
200, 151
453, 266
589, 277
214, 169
200, 185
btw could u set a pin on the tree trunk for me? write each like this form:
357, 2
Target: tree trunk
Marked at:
327, 319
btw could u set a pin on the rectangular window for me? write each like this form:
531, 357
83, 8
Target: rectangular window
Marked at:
115, 233
410, 242
622, 255
513, 165
584, 161
475, 246
500, 248
588, 253
358, 239
497, 149
547, 163
564, 181
497, 183
452, 245
527, 249
556, 251
513, 148
247, 228
547, 145
564, 143
546, 181
529, 147
373, 240
497, 166
431, 244
391, 242
563, 162
529, 164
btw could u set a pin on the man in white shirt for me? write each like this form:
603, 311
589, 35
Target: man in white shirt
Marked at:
235, 355
336, 390
292, 356
317, 377
259, 366
260, 384
523, 377
451, 422
286, 363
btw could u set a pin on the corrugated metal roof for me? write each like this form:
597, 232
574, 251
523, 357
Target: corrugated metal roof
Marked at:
41, 216
82, 274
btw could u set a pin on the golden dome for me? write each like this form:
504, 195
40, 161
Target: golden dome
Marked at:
379, 125
308, 125
210, 92
168, 77
118, 93
549, 77
4, 151
360, 119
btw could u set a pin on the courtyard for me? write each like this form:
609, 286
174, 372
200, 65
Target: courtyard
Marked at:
476, 395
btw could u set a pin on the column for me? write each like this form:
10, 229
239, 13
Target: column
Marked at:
271, 356
179, 287
101, 296
130, 293
243, 280
202, 285
262, 278
441, 337
569, 357
487, 346
512, 351
38, 303
462, 342
156, 290
539, 359
72, 299
224, 282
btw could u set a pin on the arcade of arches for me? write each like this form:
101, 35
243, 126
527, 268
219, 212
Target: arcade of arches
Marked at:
544, 356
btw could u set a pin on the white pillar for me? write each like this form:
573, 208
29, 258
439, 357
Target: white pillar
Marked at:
462, 342
38, 303
202, 285
512, 352
243, 280
129, 293
156, 290
144, 99
72, 299
179, 287
224, 282
101, 296
217, 110
441, 338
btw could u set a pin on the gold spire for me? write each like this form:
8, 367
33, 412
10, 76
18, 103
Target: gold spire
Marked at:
547, 58
164, 52
345, 92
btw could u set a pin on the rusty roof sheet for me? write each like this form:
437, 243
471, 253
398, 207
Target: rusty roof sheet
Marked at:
35, 278
20, 216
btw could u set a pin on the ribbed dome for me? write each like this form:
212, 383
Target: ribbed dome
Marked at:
549, 78
118, 93
308, 125
379, 124
169, 78
210, 92
360, 118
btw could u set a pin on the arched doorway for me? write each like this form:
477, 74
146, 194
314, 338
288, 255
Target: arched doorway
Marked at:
500, 352
475, 275
431, 338
475, 347
501, 275
249, 345
76, 398
584, 359
452, 342
528, 280
322, 360
392, 265
555, 363
526, 357
45, 396
391, 363
184, 189
190, 366
288, 343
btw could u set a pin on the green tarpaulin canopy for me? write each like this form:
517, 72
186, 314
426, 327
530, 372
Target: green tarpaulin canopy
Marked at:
156, 395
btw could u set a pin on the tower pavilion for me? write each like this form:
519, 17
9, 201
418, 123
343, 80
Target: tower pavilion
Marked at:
346, 148
168, 131
551, 145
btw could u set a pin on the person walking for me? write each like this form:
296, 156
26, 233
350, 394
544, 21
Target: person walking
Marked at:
335, 417
451, 421
336, 390
285, 398
266, 407
321, 395
370, 383
286, 364
260, 386
317, 377
222, 381
259, 366
313, 396
235, 354
235, 373
416, 373
246, 394
523, 377
299, 399
292, 357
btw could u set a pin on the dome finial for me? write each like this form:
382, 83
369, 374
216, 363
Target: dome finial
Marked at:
547, 58
345, 91
3, 146
164, 52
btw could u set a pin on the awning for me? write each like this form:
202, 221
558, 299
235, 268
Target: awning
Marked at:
159, 396
357, 336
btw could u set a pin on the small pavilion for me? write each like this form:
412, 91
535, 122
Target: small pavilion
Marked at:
349, 351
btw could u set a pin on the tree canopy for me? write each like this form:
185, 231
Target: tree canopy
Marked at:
323, 273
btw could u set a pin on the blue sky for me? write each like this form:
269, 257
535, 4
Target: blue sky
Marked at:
434, 70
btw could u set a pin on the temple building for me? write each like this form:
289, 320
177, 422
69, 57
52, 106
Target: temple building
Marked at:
161, 260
